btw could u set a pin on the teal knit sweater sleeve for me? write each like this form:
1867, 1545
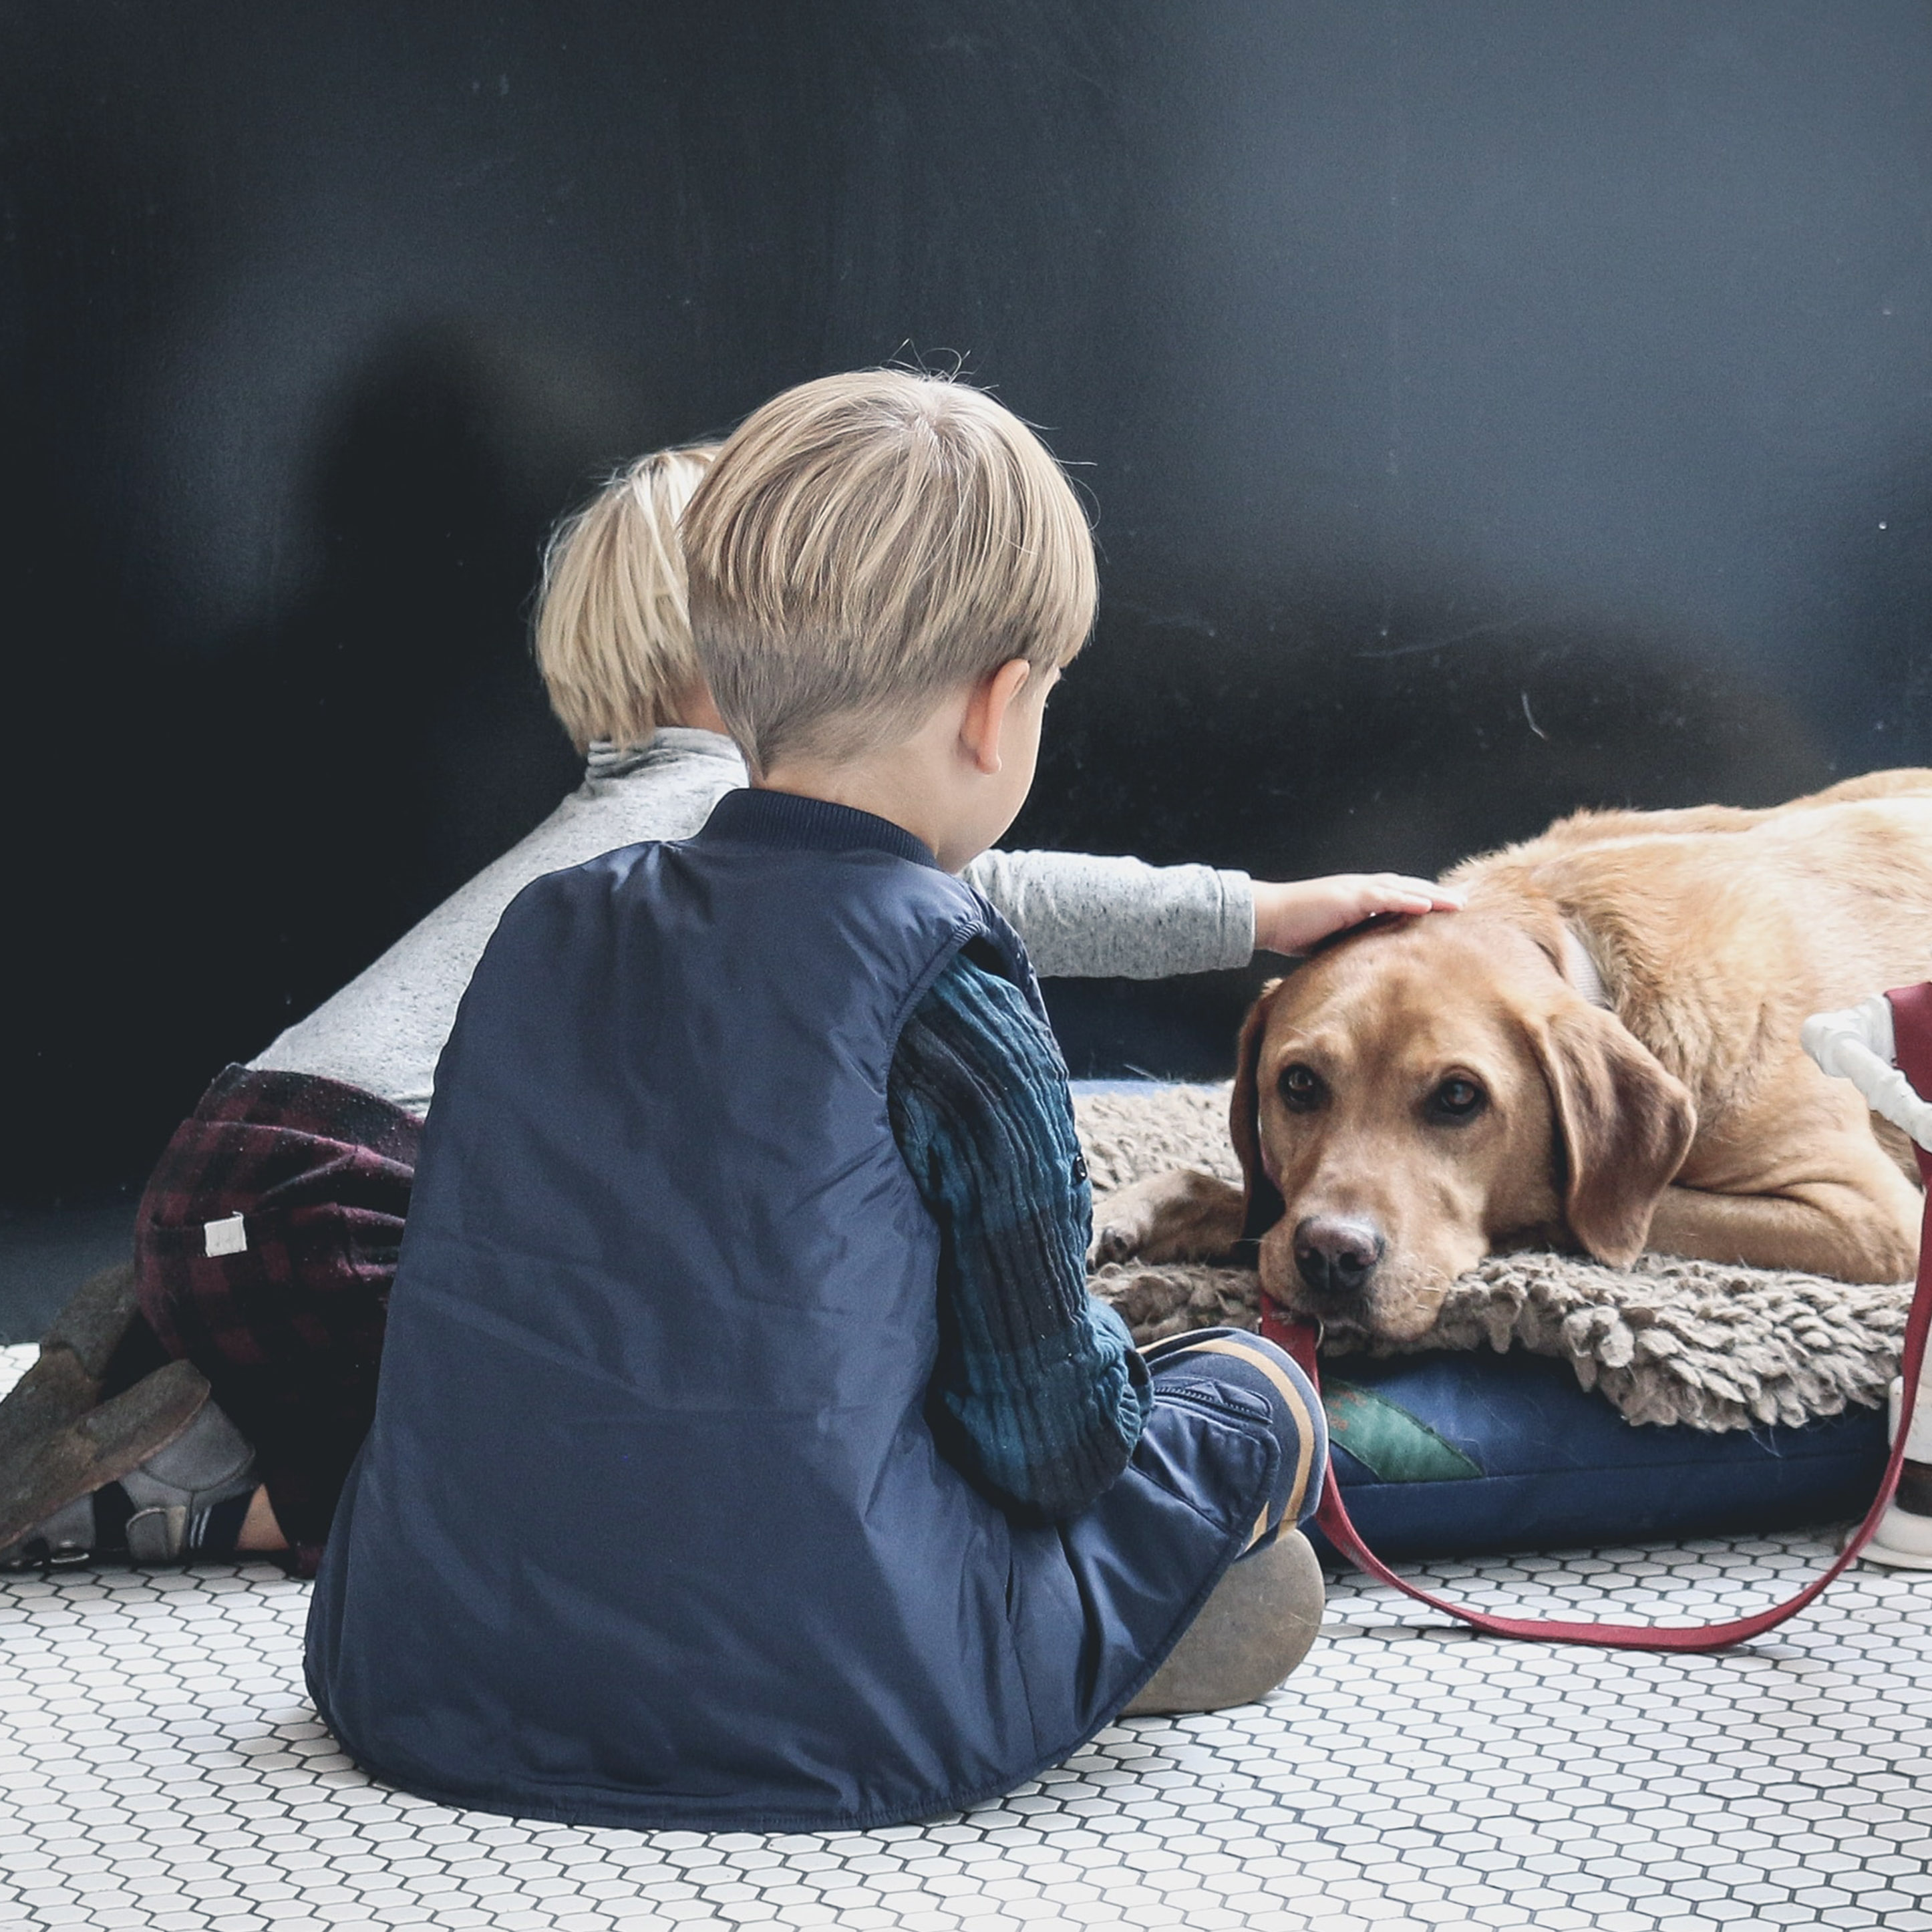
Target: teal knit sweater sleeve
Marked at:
1038, 1393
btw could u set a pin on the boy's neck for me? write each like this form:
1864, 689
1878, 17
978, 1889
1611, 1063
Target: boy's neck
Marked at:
922, 785
955, 782
884, 794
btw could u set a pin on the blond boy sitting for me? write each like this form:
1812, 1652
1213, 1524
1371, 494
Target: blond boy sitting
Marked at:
748, 1453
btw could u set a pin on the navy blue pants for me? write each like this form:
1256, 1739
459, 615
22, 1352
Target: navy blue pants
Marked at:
1232, 1366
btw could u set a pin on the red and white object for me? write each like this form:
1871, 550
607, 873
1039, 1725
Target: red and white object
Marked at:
1903, 1540
1860, 1044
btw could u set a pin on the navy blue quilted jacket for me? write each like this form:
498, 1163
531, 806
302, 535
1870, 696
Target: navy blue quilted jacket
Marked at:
650, 1529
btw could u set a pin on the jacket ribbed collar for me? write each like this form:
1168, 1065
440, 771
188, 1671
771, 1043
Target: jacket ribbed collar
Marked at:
783, 820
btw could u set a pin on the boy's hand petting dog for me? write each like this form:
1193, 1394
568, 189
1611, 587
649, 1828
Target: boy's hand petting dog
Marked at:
1291, 918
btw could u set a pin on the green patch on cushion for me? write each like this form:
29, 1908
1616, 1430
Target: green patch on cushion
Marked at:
1393, 1445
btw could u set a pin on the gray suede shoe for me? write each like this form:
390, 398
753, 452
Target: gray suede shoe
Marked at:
210, 1462
173, 1454
1258, 1625
47, 1485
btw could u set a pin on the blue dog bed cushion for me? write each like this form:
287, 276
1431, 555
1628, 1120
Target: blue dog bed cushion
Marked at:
1463, 1449
1449, 1454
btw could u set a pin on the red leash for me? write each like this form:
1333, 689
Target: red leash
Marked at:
1912, 1018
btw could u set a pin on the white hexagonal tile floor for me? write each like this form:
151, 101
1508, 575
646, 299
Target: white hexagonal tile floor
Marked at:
160, 1766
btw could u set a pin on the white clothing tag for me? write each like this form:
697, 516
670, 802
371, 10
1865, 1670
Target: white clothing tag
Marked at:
225, 1238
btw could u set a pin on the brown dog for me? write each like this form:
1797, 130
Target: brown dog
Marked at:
1601, 1051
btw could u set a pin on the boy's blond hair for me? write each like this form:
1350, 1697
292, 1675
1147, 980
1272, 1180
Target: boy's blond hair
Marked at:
613, 631
864, 544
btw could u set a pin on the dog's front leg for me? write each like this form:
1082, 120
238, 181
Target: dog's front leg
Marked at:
1180, 1216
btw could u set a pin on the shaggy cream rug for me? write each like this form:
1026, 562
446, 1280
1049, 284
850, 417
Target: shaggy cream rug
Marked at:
1667, 1341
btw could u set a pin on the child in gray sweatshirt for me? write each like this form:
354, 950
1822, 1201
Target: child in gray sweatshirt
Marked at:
613, 642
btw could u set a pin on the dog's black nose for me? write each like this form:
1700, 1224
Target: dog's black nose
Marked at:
1336, 1256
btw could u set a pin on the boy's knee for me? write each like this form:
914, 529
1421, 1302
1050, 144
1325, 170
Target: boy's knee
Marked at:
1259, 1368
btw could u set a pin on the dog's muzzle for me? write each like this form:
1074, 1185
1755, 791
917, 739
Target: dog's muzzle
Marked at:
1335, 1256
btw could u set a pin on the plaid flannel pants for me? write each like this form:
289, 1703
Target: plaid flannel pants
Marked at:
264, 1249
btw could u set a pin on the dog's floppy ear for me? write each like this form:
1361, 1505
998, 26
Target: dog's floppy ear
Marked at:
1626, 1123
1263, 1206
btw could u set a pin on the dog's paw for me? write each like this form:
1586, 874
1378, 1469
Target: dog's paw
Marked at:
1181, 1216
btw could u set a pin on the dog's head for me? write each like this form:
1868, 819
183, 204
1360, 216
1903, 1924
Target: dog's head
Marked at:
1420, 1094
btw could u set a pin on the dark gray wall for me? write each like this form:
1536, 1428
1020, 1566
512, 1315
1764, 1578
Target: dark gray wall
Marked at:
1488, 409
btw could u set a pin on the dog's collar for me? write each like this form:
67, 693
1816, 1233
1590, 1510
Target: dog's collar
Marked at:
1580, 968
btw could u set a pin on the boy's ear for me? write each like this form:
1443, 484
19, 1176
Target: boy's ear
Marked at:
985, 725
1264, 1207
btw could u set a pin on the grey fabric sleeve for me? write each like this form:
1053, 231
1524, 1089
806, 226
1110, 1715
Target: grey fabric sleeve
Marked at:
1083, 917
384, 1030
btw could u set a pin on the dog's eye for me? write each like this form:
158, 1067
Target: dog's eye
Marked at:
1457, 1099
1301, 1088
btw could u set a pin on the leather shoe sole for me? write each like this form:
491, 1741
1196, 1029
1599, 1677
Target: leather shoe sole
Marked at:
76, 1455
1259, 1623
